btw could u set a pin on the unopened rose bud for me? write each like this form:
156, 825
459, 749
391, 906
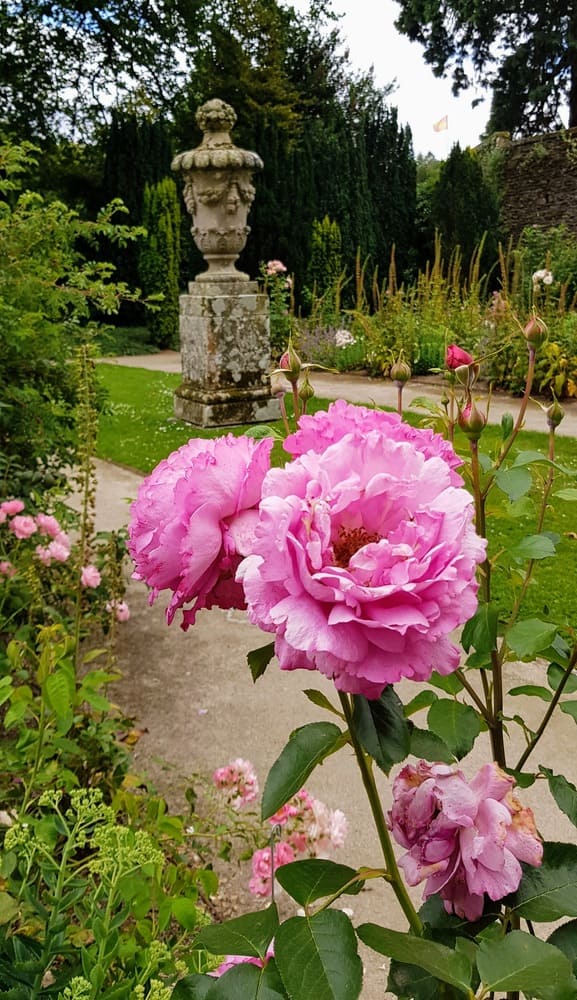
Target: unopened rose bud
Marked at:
400, 371
306, 390
554, 414
471, 421
291, 364
455, 357
535, 331
467, 374
278, 385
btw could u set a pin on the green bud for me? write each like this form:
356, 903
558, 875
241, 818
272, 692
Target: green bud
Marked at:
535, 331
400, 371
554, 414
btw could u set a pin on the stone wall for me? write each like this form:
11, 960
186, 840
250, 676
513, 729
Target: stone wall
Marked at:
538, 178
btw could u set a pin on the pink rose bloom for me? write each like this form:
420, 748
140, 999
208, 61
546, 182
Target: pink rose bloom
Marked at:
260, 883
59, 548
193, 521
327, 829
43, 555
364, 562
11, 507
275, 267
119, 609
456, 356
48, 525
238, 779
90, 577
464, 839
7, 569
22, 525
319, 430
232, 960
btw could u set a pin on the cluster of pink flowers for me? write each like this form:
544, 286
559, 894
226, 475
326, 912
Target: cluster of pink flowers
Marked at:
275, 267
23, 526
239, 781
463, 838
309, 829
359, 555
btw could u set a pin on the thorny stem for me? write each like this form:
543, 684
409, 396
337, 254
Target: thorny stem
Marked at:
393, 875
550, 709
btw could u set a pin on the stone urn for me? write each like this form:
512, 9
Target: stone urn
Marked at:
218, 191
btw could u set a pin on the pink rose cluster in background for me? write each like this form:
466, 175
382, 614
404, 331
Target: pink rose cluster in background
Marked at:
238, 781
193, 520
463, 838
275, 267
363, 561
119, 609
23, 526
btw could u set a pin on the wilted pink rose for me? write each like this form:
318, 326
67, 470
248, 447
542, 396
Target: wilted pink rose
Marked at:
364, 561
456, 356
319, 430
90, 577
193, 521
261, 881
238, 779
11, 507
119, 609
23, 526
464, 839
48, 525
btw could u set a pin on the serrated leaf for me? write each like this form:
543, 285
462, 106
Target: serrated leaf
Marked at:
185, 912
555, 675
381, 727
429, 746
316, 878
565, 939
57, 690
307, 747
564, 793
422, 700
445, 964
250, 934
193, 987
532, 691
317, 957
456, 724
259, 659
522, 961
449, 683
549, 892
481, 630
529, 637
248, 982
321, 701
514, 482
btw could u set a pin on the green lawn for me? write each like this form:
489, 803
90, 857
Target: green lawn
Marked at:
138, 430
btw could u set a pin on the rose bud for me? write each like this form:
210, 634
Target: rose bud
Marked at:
471, 421
535, 331
456, 356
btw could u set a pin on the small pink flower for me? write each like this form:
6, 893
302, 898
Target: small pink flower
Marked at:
59, 548
261, 881
232, 960
456, 356
7, 569
11, 507
43, 554
23, 526
275, 267
120, 610
90, 577
48, 525
238, 779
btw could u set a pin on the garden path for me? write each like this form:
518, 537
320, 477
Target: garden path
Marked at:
193, 697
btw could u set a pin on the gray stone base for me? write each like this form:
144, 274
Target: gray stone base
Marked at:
226, 408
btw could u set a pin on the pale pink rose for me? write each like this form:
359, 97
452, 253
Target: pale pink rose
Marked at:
43, 554
238, 779
284, 814
23, 526
319, 430
464, 839
261, 881
90, 577
11, 507
275, 267
363, 562
48, 525
119, 609
59, 548
7, 569
327, 829
193, 521
232, 960
3, 516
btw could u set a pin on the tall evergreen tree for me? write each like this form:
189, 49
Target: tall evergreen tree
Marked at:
159, 261
465, 207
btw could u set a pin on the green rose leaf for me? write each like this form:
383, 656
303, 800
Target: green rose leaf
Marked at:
522, 961
259, 659
457, 725
448, 683
568, 494
507, 424
480, 631
555, 675
317, 957
250, 934
194, 987
429, 746
422, 700
321, 701
550, 891
565, 939
570, 708
564, 793
529, 637
382, 728
185, 912
307, 747
248, 982
316, 878
445, 964
514, 482
533, 691
534, 547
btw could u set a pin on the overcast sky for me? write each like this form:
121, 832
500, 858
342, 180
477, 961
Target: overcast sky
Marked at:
421, 98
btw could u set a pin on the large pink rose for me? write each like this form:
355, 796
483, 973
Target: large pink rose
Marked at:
192, 521
364, 561
319, 430
464, 838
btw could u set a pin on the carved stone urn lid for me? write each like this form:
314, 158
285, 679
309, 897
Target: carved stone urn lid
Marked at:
217, 150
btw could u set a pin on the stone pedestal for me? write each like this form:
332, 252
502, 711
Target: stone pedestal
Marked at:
225, 345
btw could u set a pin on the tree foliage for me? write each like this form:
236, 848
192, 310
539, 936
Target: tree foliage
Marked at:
527, 52
464, 206
160, 258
